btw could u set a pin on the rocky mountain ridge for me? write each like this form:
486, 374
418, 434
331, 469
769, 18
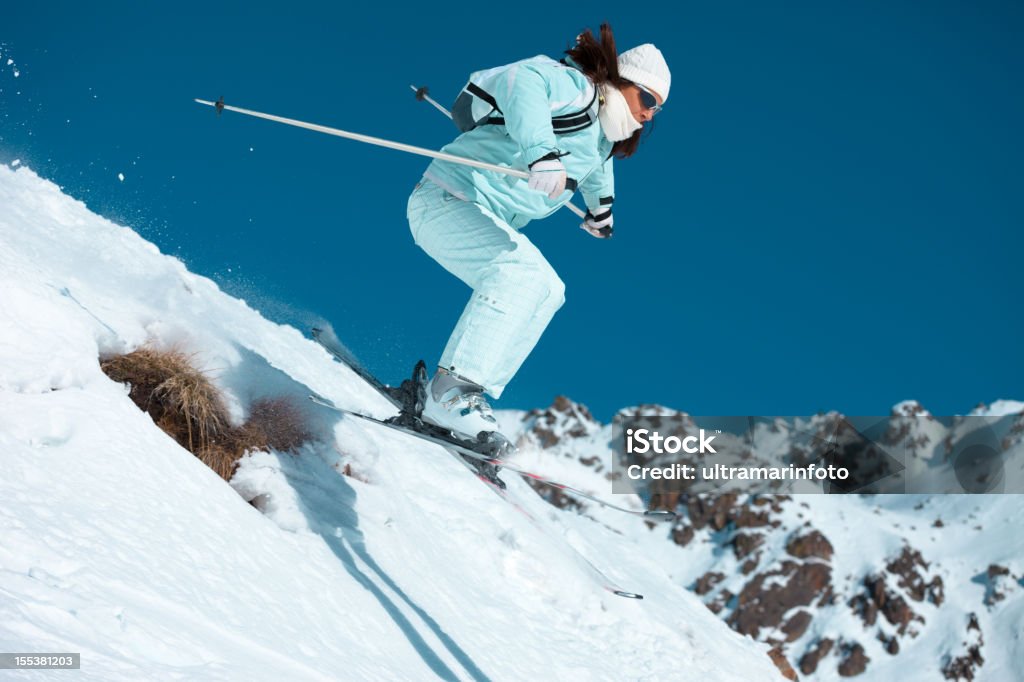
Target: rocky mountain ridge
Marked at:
842, 585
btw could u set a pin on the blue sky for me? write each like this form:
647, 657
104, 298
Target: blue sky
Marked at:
828, 214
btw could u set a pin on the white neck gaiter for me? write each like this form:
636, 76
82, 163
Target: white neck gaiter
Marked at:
616, 119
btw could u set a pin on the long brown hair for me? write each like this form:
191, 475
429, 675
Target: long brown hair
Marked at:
600, 62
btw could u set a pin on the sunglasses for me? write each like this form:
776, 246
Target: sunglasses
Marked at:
648, 99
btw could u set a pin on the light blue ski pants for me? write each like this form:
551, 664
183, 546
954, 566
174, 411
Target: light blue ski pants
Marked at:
516, 292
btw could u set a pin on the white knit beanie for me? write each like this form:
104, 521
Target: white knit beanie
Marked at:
645, 65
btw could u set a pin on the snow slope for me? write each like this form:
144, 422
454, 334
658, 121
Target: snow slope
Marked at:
117, 543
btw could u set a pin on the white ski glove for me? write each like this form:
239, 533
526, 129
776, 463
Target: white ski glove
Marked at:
547, 174
599, 225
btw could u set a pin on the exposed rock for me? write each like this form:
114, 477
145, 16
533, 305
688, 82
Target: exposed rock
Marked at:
898, 613
812, 657
774, 502
891, 644
865, 604
906, 566
711, 510
759, 606
965, 667
909, 423
878, 598
577, 431
854, 662
811, 544
745, 543
682, 535
565, 405
797, 625
719, 511
721, 601
779, 659
746, 517
707, 582
998, 582
565, 417
828, 598
997, 570
546, 437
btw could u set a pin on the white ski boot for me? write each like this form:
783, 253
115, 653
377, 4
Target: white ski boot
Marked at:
458, 405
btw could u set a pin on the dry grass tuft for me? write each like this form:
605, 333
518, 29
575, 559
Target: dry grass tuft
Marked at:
181, 399
188, 407
277, 423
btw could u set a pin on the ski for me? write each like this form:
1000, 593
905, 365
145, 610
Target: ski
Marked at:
393, 395
320, 336
467, 451
478, 457
461, 452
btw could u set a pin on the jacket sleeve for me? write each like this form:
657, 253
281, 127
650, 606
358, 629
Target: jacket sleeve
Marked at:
598, 188
522, 93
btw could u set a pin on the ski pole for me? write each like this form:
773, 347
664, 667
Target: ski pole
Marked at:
421, 94
380, 142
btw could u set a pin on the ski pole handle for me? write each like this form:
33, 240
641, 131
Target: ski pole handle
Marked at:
423, 95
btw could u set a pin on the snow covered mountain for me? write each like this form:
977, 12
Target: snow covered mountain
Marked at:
366, 555
878, 587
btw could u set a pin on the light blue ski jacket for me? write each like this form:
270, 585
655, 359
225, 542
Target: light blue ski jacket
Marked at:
528, 94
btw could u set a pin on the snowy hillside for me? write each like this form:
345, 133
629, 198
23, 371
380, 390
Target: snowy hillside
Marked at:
118, 543
877, 587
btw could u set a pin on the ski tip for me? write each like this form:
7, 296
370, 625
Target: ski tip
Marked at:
661, 514
320, 400
628, 595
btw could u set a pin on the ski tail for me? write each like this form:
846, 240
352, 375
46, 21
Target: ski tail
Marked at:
329, 342
403, 397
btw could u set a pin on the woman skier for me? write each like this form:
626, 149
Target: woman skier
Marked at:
563, 122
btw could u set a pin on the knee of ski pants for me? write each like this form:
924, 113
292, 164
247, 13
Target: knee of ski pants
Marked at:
556, 290
521, 273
